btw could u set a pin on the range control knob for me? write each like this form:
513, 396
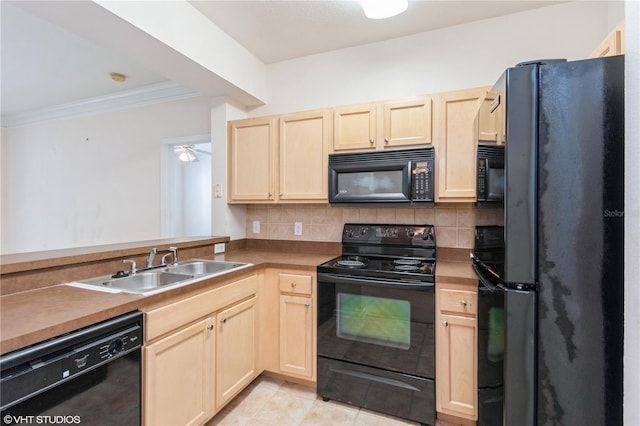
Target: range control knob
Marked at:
410, 233
350, 233
116, 346
363, 231
427, 234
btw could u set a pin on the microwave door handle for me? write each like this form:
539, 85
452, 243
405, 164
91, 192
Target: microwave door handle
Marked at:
481, 270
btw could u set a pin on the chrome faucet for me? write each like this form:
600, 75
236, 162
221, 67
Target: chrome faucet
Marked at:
152, 256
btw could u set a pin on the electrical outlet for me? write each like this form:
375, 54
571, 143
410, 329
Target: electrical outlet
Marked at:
218, 248
297, 228
256, 226
217, 191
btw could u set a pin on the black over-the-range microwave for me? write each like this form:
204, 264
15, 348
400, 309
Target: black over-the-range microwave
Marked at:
490, 175
398, 176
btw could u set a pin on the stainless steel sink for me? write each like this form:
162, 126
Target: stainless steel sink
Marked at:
205, 267
161, 279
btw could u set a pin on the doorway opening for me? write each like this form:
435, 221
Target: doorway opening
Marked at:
186, 187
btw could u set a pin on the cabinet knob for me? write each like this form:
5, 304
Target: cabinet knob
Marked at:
270, 195
223, 320
210, 327
306, 305
445, 323
463, 302
280, 194
293, 284
371, 141
386, 140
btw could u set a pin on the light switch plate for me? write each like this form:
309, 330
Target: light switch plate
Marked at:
217, 191
256, 226
218, 248
297, 228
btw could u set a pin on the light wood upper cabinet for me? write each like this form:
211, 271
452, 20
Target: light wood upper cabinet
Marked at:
383, 125
178, 377
354, 127
236, 347
407, 123
279, 159
456, 351
491, 118
455, 144
304, 142
251, 159
613, 44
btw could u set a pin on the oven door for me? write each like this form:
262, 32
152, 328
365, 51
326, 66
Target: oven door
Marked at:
377, 322
376, 345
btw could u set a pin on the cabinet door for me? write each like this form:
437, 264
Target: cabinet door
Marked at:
250, 172
236, 350
296, 335
456, 378
178, 377
490, 118
456, 145
612, 45
354, 127
304, 142
407, 122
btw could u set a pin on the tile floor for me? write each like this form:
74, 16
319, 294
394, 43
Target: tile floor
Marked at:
270, 401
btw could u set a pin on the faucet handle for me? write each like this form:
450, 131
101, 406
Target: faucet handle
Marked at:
174, 250
134, 268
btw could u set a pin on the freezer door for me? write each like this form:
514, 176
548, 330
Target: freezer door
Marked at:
520, 175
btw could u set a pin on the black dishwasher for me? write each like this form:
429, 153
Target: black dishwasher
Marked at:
88, 376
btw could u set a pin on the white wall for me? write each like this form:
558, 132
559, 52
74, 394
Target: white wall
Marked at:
463, 56
632, 216
90, 180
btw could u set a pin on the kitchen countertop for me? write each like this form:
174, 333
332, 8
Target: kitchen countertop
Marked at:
32, 316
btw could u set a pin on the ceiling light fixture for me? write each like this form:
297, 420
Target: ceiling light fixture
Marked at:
116, 76
381, 9
186, 153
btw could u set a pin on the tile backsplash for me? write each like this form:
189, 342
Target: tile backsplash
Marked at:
454, 225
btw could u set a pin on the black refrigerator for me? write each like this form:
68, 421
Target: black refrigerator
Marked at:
563, 279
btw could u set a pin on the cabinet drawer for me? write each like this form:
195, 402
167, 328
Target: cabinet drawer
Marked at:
294, 283
458, 301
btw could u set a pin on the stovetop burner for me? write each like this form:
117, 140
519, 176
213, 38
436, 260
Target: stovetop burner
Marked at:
406, 268
407, 262
351, 263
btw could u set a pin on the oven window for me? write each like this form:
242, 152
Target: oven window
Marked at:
378, 320
363, 183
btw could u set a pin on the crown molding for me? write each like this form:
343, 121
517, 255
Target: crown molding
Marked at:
161, 92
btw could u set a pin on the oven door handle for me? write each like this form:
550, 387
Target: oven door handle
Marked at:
378, 282
480, 267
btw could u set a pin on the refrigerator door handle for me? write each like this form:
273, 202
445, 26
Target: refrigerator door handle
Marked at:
484, 272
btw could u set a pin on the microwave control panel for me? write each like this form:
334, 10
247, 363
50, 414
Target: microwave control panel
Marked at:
422, 189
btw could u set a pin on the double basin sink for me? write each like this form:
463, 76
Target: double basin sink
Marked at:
163, 278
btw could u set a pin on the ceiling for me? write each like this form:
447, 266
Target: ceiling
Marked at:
45, 65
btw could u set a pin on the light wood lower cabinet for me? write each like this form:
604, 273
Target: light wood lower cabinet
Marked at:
199, 352
178, 376
296, 335
288, 323
456, 351
236, 350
